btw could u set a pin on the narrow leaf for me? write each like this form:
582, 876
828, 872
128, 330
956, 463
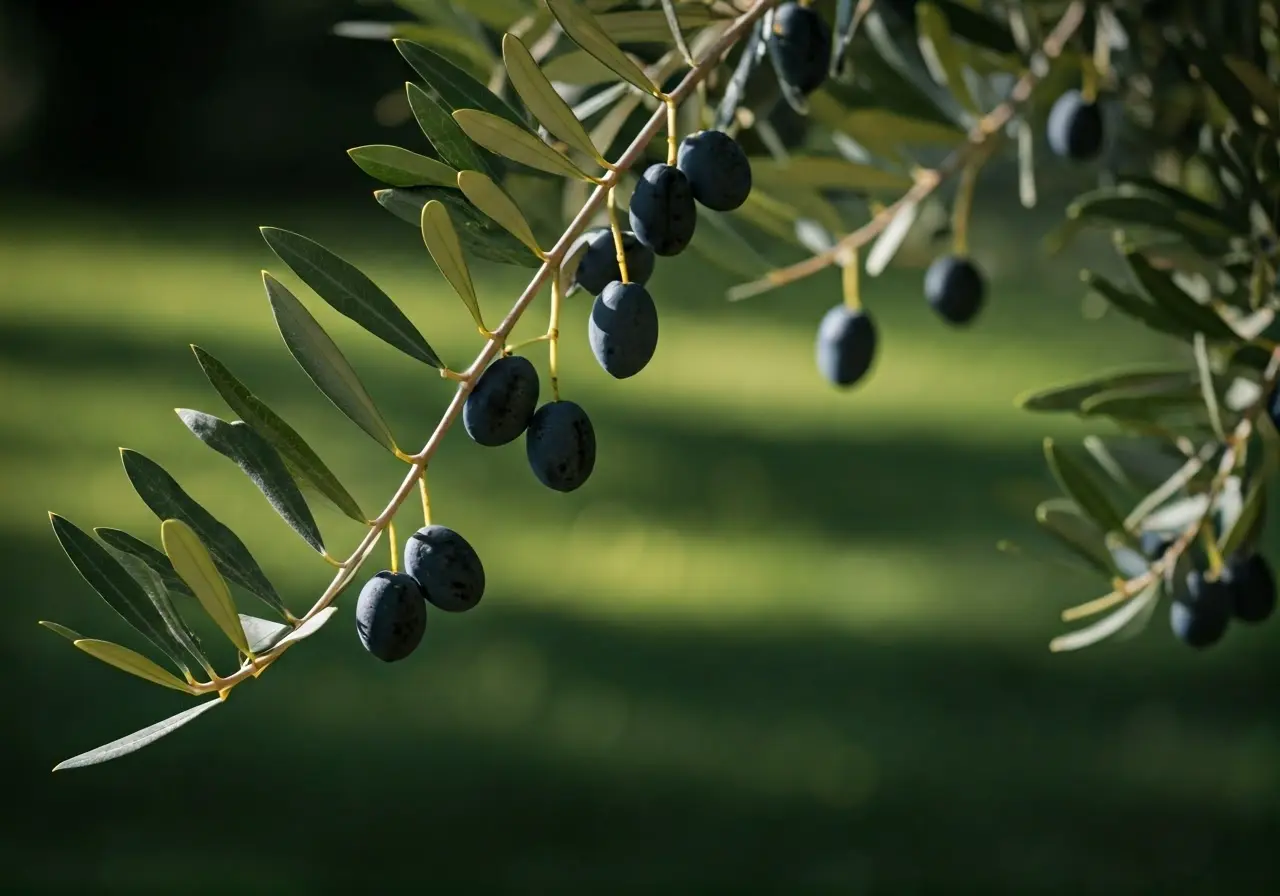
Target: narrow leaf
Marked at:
1081, 487
584, 31
1062, 519
305, 465
132, 662
891, 238
457, 89
166, 499
253, 454
942, 55
69, 634
1242, 527
501, 137
262, 634
139, 739
401, 167
193, 562
735, 90
480, 237
497, 205
1166, 294
112, 581
1108, 625
577, 67
350, 292
1207, 387
1070, 396
122, 542
639, 26
446, 251
547, 106
448, 140
319, 356
310, 627
1134, 305
720, 242
153, 586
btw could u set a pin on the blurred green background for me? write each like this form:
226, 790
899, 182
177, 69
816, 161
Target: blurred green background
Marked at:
770, 646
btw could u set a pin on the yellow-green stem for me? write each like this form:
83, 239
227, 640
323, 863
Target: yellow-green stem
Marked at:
426, 499
963, 208
393, 545
618, 247
673, 129
1088, 80
849, 282
553, 337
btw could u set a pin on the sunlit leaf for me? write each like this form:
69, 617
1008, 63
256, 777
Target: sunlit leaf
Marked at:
1207, 387
132, 662
1070, 396
577, 67
1135, 306
891, 238
1108, 625
446, 251
942, 55
139, 739
194, 563
153, 585
501, 137
585, 31
457, 89
262, 634
401, 167
308, 628
547, 106
1080, 485
165, 498
436, 122
350, 292
489, 198
253, 454
107, 576
480, 237
319, 356
304, 464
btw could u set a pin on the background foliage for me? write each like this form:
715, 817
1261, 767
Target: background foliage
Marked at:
913, 411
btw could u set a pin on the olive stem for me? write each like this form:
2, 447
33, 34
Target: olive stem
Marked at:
426, 499
618, 247
963, 209
849, 282
553, 338
393, 544
673, 129
466, 381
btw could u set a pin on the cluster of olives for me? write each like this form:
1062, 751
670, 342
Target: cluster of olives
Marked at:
1204, 603
711, 170
440, 568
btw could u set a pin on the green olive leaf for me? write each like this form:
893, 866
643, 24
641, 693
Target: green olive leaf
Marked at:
137, 740
193, 562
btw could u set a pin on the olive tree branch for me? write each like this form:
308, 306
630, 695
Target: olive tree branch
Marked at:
981, 140
497, 339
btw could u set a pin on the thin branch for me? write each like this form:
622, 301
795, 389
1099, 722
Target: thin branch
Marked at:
633, 153
988, 128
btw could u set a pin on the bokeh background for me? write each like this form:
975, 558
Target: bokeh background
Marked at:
770, 647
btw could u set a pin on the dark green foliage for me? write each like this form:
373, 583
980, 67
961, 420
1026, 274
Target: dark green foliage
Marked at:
717, 169
663, 213
1075, 128
801, 46
599, 264
446, 566
502, 402
955, 288
1199, 616
1273, 407
391, 616
623, 329
846, 345
1253, 587
561, 445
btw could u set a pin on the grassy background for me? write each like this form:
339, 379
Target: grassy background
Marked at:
770, 646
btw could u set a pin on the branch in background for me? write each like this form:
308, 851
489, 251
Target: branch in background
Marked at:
990, 128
